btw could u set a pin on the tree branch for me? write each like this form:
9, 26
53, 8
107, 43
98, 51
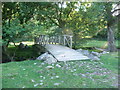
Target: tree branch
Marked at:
115, 10
53, 20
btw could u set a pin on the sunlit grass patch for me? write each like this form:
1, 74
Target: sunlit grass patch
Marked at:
24, 42
96, 43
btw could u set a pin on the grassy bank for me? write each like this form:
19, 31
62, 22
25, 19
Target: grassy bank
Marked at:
73, 74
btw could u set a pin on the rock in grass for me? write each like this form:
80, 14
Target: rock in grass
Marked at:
41, 76
43, 56
49, 67
79, 50
96, 53
56, 84
57, 65
36, 85
23, 87
35, 63
62, 81
93, 57
32, 80
86, 52
41, 80
40, 83
57, 76
48, 58
104, 52
51, 77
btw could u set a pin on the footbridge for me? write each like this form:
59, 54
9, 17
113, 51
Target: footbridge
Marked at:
60, 47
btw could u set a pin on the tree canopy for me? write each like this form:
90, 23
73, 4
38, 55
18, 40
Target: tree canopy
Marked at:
29, 19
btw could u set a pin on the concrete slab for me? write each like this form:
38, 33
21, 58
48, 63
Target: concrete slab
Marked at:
62, 53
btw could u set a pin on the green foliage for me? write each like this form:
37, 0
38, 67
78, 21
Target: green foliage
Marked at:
32, 19
13, 32
21, 54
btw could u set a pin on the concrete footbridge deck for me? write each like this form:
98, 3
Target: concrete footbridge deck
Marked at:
63, 53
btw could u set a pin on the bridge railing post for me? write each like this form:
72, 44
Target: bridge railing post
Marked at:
59, 39
63, 39
71, 41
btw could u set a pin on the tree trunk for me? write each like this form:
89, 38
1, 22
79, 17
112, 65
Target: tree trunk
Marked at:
111, 40
110, 31
75, 40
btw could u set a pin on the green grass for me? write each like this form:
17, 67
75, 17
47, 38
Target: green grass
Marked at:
110, 61
96, 43
73, 74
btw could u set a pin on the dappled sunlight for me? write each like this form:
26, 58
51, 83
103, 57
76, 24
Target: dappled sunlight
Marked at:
60, 44
24, 42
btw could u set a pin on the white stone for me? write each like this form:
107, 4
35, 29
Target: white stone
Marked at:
41, 76
96, 53
56, 84
49, 67
51, 78
92, 57
53, 74
74, 69
41, 80
62, 81
42, 63
53, 64
79, 50
35, 85
24, 69
57, 65
57, 76
50, 59
83, 75
43, 56
104, 52
33, 80
35, 63
85, 52
40, 83
23, 87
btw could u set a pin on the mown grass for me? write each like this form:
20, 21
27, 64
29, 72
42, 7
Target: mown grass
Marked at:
100, 43
110, 61
72, 74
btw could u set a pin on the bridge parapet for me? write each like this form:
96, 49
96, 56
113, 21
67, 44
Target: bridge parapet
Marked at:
58, 39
